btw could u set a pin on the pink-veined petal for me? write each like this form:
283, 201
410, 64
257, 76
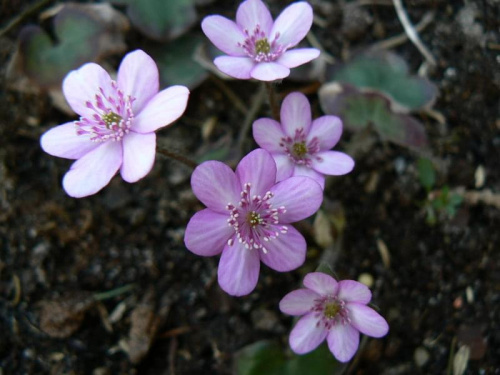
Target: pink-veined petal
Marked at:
353, 291
163, 109
63, 142
236, 67
327, 129
298, 56
321, 283
307, 334
343, 341
138, 77
139, 151
333, 163
93, 171
224, 34
259, 169
238, 269
298, 302
293, 24
366, 320
252, 13
286, 252
301, 197
284, 166
216, 185
303, 171
269, 71
207, 233
295, 114
82, 85
268, 133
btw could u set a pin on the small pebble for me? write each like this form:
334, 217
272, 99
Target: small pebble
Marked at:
367, 279
421, 356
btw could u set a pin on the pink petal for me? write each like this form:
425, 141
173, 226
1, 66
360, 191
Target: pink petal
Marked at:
163, 109
298, 302
252, 13
238, 269
321, 283
94, 170
295, 114
284, 166
82, 85
293, 24
299, 56
303, 171
269, 71
286, 252
207, 233
268, 133
259, 169
138, 76
62, 141
301, 197
343, 341
366, 320
236, 67
327, 129
333, 163
224, 34
216, 185
139, 152
307, 334
352, 291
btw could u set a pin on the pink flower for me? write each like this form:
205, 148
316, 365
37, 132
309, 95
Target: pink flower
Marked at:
300, 146
117, 123
248, 217
333, 310
257, 46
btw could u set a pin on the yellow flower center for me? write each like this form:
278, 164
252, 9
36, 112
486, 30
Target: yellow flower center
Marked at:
299, 149
331, 310
262, 46
254, 219
111, 119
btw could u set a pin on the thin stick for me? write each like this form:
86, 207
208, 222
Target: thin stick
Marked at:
255, 107
17, 20
412, 33
238, 103
114, 292
272, 101
180, 158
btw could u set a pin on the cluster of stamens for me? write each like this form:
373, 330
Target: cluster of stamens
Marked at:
112, 117
299, 150
258, 47
330, 311
255, 220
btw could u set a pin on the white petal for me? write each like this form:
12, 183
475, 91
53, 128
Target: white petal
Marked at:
139, 152
62, 141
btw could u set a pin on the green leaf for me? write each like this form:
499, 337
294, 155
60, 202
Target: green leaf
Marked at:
426, 173
160, 19
47, 62
318, 362
325, 268
176, 63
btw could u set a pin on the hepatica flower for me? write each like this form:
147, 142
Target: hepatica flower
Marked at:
256, 46
300, 146
117, 123
333, 310
248, 218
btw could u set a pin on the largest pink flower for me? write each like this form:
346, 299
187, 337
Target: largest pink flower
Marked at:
256, 46
117, 123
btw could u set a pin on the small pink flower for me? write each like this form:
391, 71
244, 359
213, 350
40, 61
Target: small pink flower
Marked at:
257, 46
300, 146
117, 123
333, 310
248, 217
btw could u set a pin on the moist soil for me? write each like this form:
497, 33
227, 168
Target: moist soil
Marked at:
437, 285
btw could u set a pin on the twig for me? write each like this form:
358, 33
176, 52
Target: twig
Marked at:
412, 33
17, 20
171, 356
238, 103
113, 293
180, 158
311, 38
252, 113
272, 101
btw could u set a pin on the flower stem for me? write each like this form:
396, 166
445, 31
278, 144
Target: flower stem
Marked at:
181, 158
272, 101
113, 293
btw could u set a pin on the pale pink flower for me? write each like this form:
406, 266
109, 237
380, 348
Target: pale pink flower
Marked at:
331, 310
116, 130
256, 46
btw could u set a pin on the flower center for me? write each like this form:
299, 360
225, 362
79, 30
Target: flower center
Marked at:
262, 46
254, 219
299, 150
331, 311
110, 117
258, 47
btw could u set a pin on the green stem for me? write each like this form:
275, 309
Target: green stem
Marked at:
272, 101
114, 292
180, 158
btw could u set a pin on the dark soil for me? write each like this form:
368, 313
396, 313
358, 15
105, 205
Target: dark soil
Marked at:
440, 291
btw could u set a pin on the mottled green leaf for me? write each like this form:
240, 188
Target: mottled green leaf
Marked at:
426, 173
